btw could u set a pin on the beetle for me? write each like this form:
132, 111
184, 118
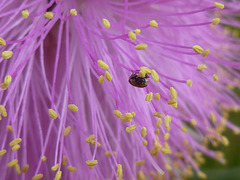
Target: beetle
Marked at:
137, 81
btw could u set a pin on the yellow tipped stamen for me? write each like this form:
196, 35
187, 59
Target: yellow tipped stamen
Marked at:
132, 35
3, 111
213, 117
0, 117
2, 152
129, 115
38, 176
102, 65
2, 42
73, 107
141, 46
52, 114
219, 5
167, 128
153, 23
215, 77
125, 119
43, 158
91, 163
8, 79
166, 136
149, 96
15, 141
172, 101
134, 114
48, 15
140, 163
157, 131
17, 169
141, 175
106, 23
58, 175
90, 138
215, 21
25, 168
131, 128
193, 122
168, 120
93, 143
12, 163
225, 141
201, 67
145, 143
101, 79
184, 129
201, 175
7, 54
55, 167
189, 83
157, 96
168, 167
137, 31
142, 73
16, 147
119, 171
25, 13
146, 69
158, 114
205, 53
159, 122
73, 12
198, 49
108, 76
173, 92
64, 161
67, 130
155, 76
117, 113
144, 132
108, 153
4, 86
72, 169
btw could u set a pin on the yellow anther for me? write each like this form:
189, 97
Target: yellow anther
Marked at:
201, 67
4, 86
157, 96
166, 136
145, 143
52, 114
2, 42
134, 114
73, 12
225, 141
158, 114
16, 147
167, 128
129, 115
37, 176
12, 163
101, 79
174, 104
7, 79
117, 113
219, 5
215, 77
142, 73
205, 53
157, 131
43, 158
25, 13
146, 69
67, 130
141, 175
106, 23
91, 162
58, 175
189, 82
108, 76
168, 167
90, 138
73, 107
153, 23
3, 111
235, 131
154, 151
125, 119
159, 122
132, 35
93, 143
144, 132
15, 141
7, 54
193, 122
149, 96
155, 76
64, 160
131, 128
213, 117
119, 171
137, 31
184, 129
198, 49
201, 175
141, 46
2, 152
17, 169
140, 163
72, 169
172, 101
25, 168
173, 92
102, 65
55, 167
215, 21
48, 15
168, 120
108, 153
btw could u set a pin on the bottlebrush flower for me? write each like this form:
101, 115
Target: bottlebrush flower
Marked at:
115, 89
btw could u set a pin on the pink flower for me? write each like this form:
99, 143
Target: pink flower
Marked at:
115, 89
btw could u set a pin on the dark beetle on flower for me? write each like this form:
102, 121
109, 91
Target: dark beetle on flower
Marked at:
137, 81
